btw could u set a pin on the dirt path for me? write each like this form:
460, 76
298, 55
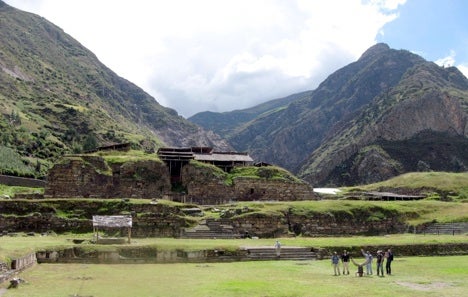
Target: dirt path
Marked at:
423, 287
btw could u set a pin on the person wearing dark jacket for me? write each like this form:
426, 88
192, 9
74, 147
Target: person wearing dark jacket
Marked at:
388, 265
345, 260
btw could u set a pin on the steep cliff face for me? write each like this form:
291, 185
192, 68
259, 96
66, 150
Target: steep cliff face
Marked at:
374, 164
425, 114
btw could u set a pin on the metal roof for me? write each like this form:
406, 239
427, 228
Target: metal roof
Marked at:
223, 157
204, 154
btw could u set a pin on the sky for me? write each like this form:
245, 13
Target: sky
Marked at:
223, 55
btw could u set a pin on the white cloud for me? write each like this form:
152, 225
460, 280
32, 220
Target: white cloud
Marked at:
447, 61
464, 69
220, 55
450, 60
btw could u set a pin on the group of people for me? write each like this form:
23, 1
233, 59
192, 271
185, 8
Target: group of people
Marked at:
382, 258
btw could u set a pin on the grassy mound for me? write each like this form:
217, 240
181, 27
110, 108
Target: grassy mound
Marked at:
447, 186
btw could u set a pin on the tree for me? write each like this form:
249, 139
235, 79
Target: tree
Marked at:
90, 143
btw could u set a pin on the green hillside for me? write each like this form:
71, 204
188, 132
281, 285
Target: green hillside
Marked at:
446, 186
56, 97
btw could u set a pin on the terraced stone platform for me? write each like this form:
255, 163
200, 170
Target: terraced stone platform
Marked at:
450, 228
211, 229
266, 253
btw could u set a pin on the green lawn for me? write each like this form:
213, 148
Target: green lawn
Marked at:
413, 276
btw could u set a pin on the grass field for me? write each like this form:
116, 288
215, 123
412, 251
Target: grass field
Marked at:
413, 276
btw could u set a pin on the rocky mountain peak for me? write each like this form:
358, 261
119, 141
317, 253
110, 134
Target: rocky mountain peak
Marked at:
375, 50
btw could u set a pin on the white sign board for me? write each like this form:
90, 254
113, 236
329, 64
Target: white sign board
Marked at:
112, 221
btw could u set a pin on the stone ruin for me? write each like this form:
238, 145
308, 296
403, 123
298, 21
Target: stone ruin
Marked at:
90, 176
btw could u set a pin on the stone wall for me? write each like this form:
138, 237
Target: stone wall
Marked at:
23, 262
248, 189
138, 255
74, 177
261, 225
204, 186
332, 224
427, 249
210, 193
336, 224
41, 216
18, 264
90, 177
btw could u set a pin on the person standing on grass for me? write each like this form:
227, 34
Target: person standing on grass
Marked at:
336, 263
380, 262
278, 248
388, 265
345, 260
369, 259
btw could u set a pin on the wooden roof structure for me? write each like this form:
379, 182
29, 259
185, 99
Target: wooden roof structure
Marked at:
223, 157
175, 154
224, 160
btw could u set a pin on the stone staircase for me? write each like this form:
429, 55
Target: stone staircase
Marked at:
211, 229
450, 228
287, 253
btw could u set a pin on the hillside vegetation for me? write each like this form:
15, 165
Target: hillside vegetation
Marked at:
56, 97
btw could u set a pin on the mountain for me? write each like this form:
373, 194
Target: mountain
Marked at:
228, 123
387, 113
420, 124
56, 97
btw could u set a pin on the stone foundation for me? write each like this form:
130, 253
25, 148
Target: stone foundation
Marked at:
86, 176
